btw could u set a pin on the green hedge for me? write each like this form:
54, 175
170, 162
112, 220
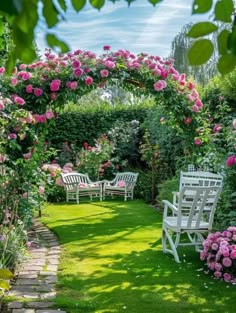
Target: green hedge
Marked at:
79, 127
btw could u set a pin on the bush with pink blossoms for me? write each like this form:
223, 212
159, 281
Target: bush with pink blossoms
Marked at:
219, 252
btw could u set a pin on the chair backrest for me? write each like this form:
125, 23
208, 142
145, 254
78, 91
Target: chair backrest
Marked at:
70, 180
197, 204
128, 177
200, 178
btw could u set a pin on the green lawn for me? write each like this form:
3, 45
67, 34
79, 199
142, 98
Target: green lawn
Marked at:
112, 262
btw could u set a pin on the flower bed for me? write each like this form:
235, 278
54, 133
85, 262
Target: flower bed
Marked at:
220, 253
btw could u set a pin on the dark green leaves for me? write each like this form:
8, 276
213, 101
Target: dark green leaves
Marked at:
78, 4
11, 7
226, 63
200, 52
50, 13
222, 41
54, 42
62, 4
201, 6
154, 2
202, 29
97, 4
223, 11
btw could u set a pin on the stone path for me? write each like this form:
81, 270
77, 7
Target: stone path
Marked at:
34, 287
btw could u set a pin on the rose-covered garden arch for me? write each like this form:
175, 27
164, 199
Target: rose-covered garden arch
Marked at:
33, 95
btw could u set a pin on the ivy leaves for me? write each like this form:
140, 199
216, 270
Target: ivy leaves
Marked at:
203, 48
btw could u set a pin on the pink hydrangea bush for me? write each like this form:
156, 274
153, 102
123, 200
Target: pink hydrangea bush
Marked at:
219, 252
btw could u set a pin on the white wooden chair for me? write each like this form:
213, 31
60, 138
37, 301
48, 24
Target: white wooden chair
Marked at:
79, 185
123, 185
193, 215
198, 178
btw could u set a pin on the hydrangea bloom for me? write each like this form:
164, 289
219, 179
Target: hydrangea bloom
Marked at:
219, 252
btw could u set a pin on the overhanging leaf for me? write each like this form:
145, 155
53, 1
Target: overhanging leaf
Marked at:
226, 63
222, 41
200, 52
201, 6
154, 2
78, 4
232, 41
50, 13
202, 29
62, 4
97, 4
224, 10
4, 285
54, 42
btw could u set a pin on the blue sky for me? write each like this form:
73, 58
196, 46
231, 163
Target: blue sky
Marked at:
139, 28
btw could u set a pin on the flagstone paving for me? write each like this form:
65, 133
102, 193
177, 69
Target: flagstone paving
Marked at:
36, 278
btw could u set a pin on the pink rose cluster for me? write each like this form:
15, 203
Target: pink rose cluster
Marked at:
219, 252
54, 170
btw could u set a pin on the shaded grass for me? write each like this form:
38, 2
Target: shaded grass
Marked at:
112, 262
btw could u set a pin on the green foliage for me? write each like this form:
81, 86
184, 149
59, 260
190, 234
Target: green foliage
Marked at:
200, 52
80, 127
166, 190
202, 29
5, 276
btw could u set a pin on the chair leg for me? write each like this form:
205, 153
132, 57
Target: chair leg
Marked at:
173, 251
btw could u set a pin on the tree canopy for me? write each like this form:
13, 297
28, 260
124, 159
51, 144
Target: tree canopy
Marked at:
23, 16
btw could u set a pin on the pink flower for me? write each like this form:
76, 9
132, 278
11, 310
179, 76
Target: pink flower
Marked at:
55, 85
76, 64
195, 108
234, 123
217, 128
49, 115
218, 267
41, 190
2, 105
110, 64
162, 119
59, 182
227, 277
38, 92
231, 160
106, 48
233, 254
68, 83
214, 246
159, 85
29, 88
27, 156
221, 98
78, 72
187, 120
53, 95
190, 86
19, 100
12, 136
22, 66
73, 85
197, 142
2, 70
14, 81
88, 80
2, 158
217, 274
199, 103
42, 119
25, 76
104, 73
227, 262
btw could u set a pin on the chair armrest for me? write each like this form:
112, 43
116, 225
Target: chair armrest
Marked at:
167, 206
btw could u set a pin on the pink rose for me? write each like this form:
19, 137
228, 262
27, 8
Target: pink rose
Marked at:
217, 274
12, 136
217, 128
59, 182
195, 108
78, 72
88, 80
38, 92
73, 85
231, 160
199, 103
110, 64
2, 70
27, 156
49, 115
226, 262
19, 100
42, 119
106, 48
53, 95
76, 64
14, 81
227, 277
25, 76
22, 66
2, 105
197, 142
187, 120
159, 85
41, 190
29, 88
55, 85
104, 73
233, 254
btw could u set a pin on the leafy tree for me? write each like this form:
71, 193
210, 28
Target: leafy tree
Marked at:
179, 52
23, 16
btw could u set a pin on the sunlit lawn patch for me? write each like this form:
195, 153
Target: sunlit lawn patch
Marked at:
112, 262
